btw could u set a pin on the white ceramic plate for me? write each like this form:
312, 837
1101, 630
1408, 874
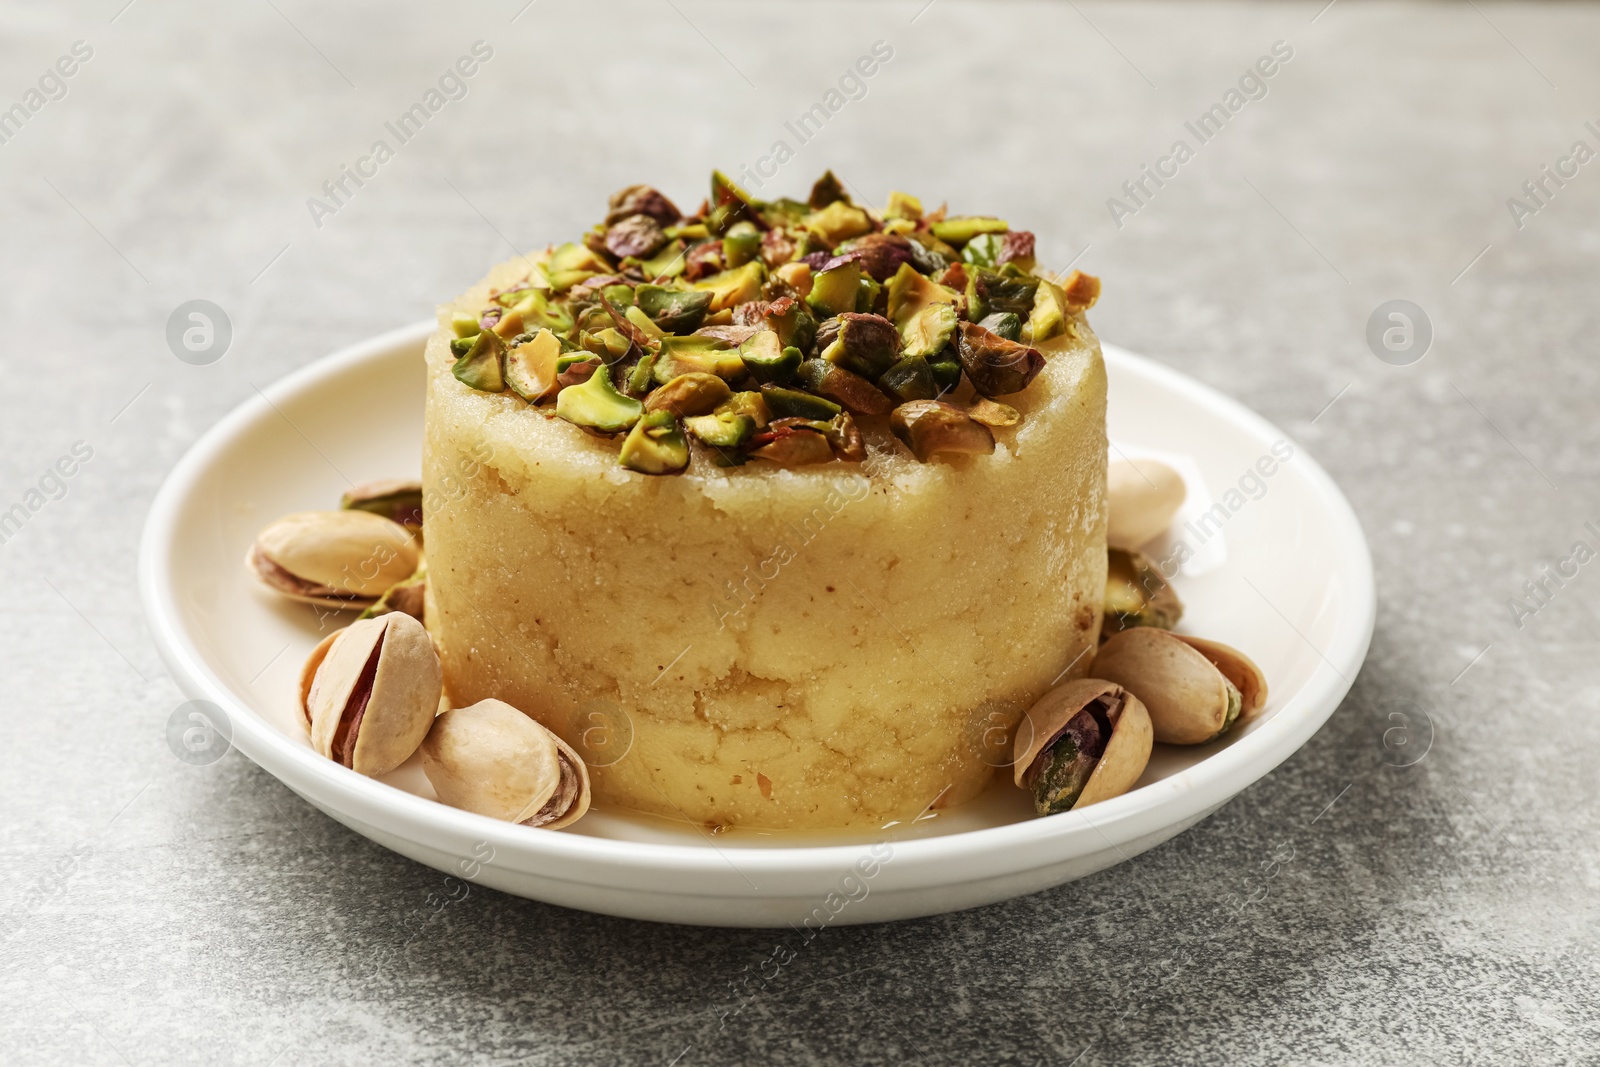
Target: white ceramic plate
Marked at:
1281, 571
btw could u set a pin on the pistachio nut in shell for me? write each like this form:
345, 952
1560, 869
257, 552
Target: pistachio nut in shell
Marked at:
342, 559
1137, 595
1194, 690
491, 759
397, 500
375, 693
1083, 742
409, 596
1143, 497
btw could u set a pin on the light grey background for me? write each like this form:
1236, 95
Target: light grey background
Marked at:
156, 912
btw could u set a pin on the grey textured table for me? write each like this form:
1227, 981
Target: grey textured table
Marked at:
1347, 909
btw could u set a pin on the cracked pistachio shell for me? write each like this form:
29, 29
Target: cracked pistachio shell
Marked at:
1143, 496
344, 559
1195, 690
1126, 752
374, 694
491, 759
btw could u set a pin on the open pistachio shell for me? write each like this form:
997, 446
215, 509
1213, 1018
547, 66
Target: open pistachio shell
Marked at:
1143, 497
374, 695
341, 559
491, 759
1102, 712
1195, 690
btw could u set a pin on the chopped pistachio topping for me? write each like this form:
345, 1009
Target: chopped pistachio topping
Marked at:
767, 329
655, 445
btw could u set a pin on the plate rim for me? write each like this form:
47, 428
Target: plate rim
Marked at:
1027, 845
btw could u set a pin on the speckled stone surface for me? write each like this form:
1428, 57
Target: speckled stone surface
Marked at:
1342, 911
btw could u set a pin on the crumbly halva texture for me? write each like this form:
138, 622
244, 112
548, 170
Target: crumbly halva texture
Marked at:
822, 645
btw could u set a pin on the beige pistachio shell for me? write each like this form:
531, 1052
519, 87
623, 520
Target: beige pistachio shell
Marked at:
1183, 681
1143, 497
308, 673
374, 695
1126, 754
491, 759
344, 559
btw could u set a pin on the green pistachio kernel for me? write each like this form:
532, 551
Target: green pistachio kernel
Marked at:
482, 366
1004, 291
1004, 323
673, 310
1059, 775
833, 292
734, 286
695, 393
922, 310
768, 360
946, 373
535, 310
741, 243
708, 355
910, 379
667, 263
852, 391
838, 221
608, 343
748, 403
572, 256
725, 429
984, 249
465, 325
793, 403
903, 206
655, 445
460, 346
958, 231
867, 294
641, 378
597, 405
642, 323
1049, 315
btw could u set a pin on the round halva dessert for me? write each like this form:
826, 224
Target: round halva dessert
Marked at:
760, 636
